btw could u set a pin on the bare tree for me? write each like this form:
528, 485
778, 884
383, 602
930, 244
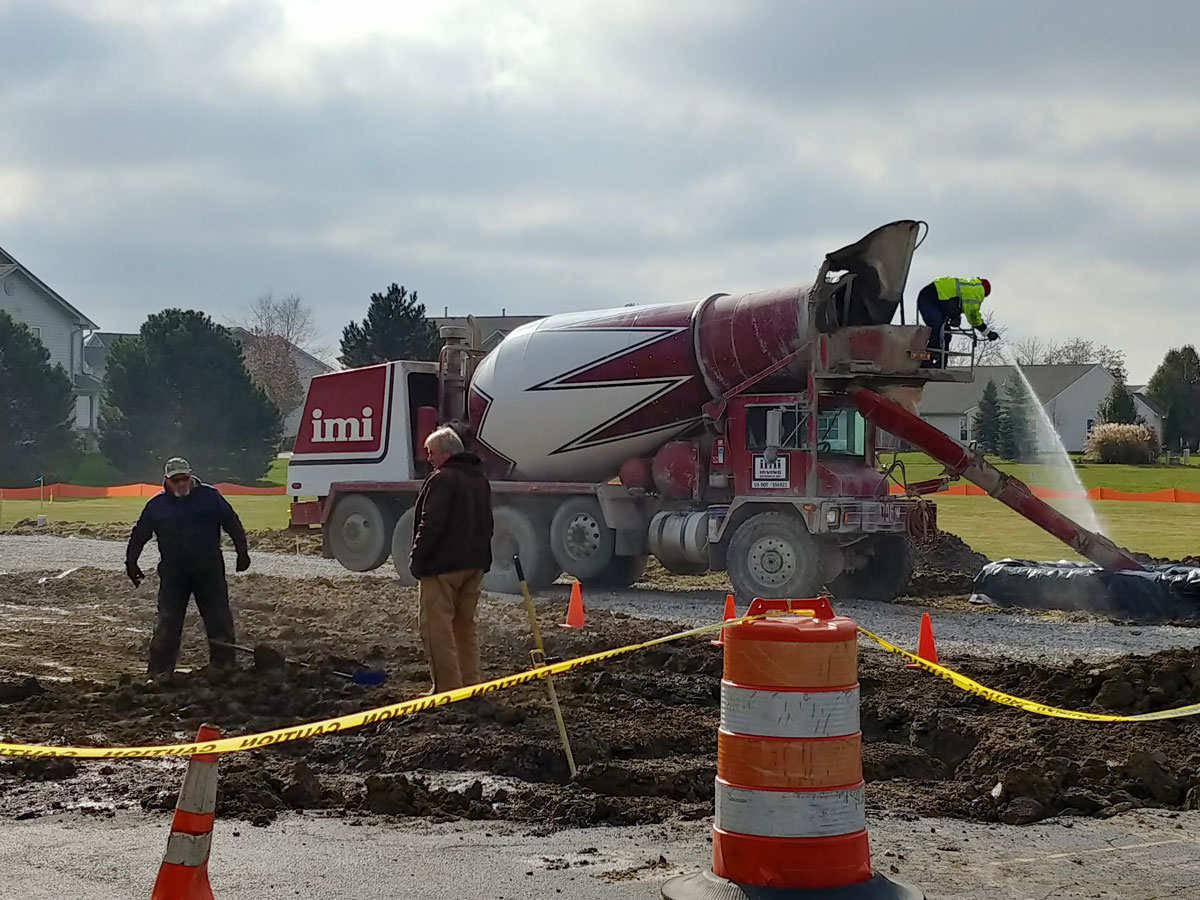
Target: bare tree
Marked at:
271, 331
1074, 351
987, 353
287, 318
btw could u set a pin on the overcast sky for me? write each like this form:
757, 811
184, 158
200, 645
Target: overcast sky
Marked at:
558, 155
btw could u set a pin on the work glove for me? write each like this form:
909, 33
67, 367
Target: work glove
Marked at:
243, 562
135, 573
992, 336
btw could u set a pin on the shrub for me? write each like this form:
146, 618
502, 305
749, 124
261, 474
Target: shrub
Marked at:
1129, 444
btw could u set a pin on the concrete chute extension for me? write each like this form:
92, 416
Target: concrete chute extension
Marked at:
1010, 491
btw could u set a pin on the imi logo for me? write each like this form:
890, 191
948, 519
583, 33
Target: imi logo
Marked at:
333, 431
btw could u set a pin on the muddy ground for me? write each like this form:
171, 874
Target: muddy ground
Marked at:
643, 728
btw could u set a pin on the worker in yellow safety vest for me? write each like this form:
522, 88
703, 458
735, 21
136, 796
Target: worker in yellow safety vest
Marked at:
943, 303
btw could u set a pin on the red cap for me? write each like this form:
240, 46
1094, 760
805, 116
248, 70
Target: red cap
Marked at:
987, 286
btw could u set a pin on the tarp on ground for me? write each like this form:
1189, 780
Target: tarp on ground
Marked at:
1161, 593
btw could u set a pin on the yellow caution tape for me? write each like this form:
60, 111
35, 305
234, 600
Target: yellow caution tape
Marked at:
367, 717
974, 687
432, 701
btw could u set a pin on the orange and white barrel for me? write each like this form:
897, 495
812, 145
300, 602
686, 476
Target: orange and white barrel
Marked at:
790, 808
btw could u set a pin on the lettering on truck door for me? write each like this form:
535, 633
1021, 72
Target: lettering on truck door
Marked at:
768, 475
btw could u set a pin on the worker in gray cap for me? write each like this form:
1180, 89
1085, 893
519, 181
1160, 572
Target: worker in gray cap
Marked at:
186, 518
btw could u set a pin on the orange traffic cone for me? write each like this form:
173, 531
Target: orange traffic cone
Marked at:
574, 608
926, 649
183, 874
730, 614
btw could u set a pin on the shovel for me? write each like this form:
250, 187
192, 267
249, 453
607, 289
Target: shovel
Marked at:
267, 658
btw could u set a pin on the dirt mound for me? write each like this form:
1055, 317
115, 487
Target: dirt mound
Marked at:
947, 568
643, 728
103, 532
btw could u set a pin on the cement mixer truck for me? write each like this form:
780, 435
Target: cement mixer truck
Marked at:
717, 434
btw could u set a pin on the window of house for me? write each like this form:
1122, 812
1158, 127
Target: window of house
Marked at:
962, 429
37, 331
1090, 425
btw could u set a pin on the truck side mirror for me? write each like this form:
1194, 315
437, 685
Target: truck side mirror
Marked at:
774, 433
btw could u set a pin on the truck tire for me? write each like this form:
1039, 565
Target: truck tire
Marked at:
621, 572
581, 541
360, 532
402, 538
772, 555
885, 576
517, 531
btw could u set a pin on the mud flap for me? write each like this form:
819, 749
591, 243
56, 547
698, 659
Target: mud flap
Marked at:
1160, 593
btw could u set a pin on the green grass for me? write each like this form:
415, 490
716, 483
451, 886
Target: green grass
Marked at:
1162, 529
276, 474
257, 513
919, 467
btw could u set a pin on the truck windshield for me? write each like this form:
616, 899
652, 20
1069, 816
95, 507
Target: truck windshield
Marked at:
841, 431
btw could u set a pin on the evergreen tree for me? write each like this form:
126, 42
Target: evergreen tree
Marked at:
1175, 387
395, 328
1016, 438
989, 419
1118, 407
180, 388
36, 437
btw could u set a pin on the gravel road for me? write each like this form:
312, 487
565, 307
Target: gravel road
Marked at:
976, 631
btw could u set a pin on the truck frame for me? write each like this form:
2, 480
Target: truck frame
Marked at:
778, 483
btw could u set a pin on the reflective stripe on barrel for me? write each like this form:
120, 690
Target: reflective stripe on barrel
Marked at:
789, 791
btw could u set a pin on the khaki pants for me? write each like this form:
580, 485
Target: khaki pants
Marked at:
447, 619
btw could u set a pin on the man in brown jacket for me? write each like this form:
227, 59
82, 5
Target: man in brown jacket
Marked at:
452, 548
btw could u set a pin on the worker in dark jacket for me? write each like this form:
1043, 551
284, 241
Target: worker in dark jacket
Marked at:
452, 548
186, 518
943, 303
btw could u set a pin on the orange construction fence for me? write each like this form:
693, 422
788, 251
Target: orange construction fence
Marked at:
1167, 495
82, 492
79, 491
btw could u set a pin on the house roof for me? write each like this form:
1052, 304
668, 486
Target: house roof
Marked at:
1139, 394
97, 345
7, 260
955, 398
239, 333
492, 329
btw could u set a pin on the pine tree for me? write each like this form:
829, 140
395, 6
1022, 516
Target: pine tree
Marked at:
36, 437
1175, 387
180, 388
1118, 407
395, 328
989, 419
1016, 438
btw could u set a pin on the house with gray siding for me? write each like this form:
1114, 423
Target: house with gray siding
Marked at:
1070, 394
62, 330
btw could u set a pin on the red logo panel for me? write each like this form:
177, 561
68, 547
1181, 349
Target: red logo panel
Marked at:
345, 413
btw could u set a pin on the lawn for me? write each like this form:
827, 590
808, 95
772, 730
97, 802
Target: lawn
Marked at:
257, 513
918, 467
1163, 529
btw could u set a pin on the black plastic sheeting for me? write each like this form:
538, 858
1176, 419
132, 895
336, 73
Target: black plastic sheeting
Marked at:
1161, 593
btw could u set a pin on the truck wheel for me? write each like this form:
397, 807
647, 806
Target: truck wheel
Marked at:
773, 556
581, 541
621, 572
360, 532
517, 531
885, 575
402, 538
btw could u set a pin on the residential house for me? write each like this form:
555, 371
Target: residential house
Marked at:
1070, 394
307, 366
61, 328
492, 329
96, 347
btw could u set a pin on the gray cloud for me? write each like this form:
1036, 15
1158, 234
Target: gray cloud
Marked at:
552, 156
